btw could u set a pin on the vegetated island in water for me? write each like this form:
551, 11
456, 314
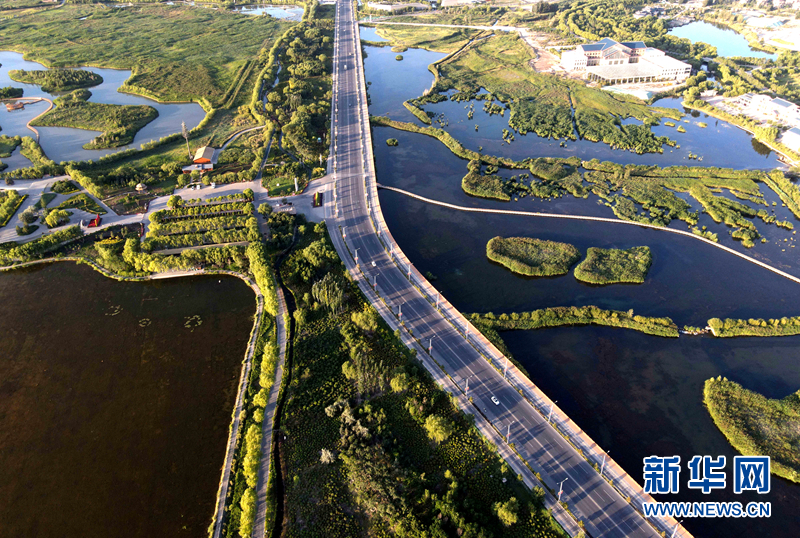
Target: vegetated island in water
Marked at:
611, 265
756, 425
532, 257
10, 92
755, 327
57, 80
119, 123
575, 315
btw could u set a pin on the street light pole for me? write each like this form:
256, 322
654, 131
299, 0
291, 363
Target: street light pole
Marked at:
561, 488
506, 368
678, 524
508, 434
551, 411
430, 344
375, 282
602, 467
356, 256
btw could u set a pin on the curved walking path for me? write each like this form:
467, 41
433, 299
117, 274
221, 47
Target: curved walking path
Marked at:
31, 101
259, 527
596, 219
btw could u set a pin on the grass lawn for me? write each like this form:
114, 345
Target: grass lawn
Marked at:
176, 53
84, 202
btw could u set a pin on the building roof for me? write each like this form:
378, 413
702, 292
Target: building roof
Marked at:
635, 44
206, 152
666, 62
783, 103
603, 44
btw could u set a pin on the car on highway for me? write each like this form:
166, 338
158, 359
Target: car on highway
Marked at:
374, 264
495, 401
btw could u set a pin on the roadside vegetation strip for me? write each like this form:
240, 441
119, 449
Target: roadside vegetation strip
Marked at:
577, 315
756, 425
597, 219
532, 257
786, 326
359, 390
610, 266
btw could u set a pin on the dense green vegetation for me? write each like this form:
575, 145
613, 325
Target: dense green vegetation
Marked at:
755, 327
176, 52
757, 426
8, 144
532, 257
10, 201
372, 446
64, 186
119, 123
57, 80
202, 224
576, 315
84, 202
9, 93
37, 248
611, 265
431, 38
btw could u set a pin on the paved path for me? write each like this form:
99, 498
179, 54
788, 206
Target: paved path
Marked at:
269, 420
233, 436
596, 219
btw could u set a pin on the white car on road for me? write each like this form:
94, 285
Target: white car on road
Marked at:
495, 401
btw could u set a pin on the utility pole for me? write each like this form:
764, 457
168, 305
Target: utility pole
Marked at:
551, 411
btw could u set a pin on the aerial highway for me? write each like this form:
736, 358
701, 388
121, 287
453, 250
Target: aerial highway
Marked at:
350, 220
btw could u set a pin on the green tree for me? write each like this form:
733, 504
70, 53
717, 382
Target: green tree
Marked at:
507, 512
174, 201
329, 291
56, 217
438, 428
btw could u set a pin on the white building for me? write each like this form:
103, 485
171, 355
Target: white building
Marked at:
791, 139
610, 62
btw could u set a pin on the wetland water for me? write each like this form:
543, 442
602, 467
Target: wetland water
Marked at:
727, 41
115, 401
65, 144
635, 394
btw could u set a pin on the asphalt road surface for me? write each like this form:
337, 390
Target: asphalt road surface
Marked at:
589, 497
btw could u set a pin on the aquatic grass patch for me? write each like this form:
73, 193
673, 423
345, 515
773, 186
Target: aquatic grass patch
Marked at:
118, 123
8, 144
756, 425
609, 266
57, 80
532, 257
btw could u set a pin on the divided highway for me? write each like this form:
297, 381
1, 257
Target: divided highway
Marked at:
602, 509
